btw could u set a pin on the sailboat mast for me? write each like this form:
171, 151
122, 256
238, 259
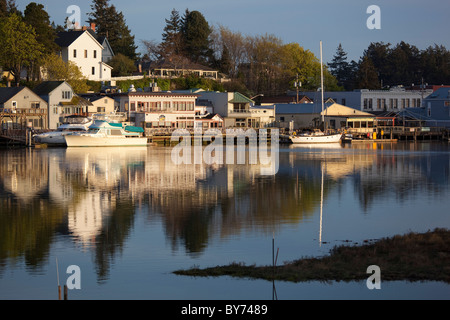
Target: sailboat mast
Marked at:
321, 82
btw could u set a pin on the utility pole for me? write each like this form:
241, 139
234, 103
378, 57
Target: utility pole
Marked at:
297, 84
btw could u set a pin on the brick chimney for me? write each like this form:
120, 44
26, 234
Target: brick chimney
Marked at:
93, 26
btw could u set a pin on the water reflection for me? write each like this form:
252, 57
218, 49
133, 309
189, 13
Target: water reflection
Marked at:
92, 195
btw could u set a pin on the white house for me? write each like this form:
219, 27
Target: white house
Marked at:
237, 110
82, 48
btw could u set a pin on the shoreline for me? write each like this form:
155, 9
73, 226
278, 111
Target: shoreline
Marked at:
410, 257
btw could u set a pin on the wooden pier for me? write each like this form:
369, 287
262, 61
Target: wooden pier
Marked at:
404, 134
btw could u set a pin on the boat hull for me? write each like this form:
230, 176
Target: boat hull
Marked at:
50, 139
307, 139
88, 141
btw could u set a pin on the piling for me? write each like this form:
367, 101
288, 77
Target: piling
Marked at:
66, 294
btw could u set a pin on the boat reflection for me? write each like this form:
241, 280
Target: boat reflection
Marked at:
91, 195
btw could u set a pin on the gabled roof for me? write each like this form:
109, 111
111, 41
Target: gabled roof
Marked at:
66, 38
342, 111
9, 92
240, 98
46, 87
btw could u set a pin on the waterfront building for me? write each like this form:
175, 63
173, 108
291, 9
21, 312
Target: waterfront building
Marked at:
157, 109
239, 111
100, 103
309, 116
436, 109
394, 99
20, 107
62, 101
84, 49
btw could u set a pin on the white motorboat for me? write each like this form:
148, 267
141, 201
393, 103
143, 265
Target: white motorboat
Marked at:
316, 137
104, 134
71, 124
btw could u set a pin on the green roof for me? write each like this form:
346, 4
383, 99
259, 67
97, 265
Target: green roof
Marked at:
240, 98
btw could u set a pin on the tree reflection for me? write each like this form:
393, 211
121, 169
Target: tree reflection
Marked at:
91, 195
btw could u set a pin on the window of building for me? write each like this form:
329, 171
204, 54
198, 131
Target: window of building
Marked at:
67, 95
85, 53
93, 70
95, 54
74, 53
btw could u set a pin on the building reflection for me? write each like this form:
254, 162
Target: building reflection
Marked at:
92, 194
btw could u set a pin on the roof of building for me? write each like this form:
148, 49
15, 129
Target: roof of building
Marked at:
301, 108
9, 92
338, 110
66, 38
170, 64
46, 87
439, 94
240, 98
284, 99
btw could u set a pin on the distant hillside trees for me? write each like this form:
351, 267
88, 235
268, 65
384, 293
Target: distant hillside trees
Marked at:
383, 65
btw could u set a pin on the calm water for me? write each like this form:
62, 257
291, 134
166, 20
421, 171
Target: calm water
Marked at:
128, 217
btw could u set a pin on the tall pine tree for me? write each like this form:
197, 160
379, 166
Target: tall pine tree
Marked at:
196, 32
172, 43
111, 24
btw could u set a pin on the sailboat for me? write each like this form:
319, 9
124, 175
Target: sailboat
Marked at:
317, 136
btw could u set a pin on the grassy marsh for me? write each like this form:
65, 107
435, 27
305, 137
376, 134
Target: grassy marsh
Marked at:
412, 257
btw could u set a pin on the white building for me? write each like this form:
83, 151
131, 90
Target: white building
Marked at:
163, 110
237, 110
82, 48
394, 99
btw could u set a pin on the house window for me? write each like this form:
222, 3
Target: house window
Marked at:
74, 53
67, 95
95, 54
85, 53
35, 105
343, 101
282, 119
93, 70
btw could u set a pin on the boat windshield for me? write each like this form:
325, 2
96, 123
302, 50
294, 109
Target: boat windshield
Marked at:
93, 130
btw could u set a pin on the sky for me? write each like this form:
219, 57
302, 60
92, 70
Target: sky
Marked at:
306, 22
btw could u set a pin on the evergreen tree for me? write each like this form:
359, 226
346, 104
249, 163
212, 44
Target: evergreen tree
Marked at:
172, 43
38, 18
367, 76
340, 68
111, 24
196, 31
